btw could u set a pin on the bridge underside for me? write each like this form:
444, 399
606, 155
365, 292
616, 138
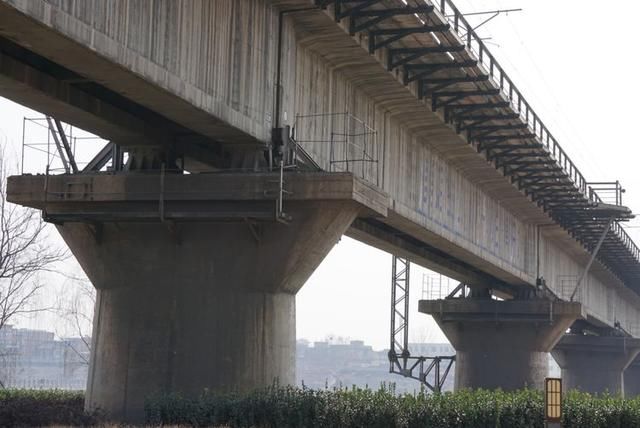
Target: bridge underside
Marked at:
39, 83
42, 68
196, 216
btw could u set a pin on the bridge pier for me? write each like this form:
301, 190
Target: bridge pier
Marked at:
200, 295
501, 344
209, 307
595, 364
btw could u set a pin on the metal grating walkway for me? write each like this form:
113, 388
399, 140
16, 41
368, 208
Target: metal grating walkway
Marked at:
437, 50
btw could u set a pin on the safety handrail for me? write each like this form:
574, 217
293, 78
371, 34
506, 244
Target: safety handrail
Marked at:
520, 105
497, 74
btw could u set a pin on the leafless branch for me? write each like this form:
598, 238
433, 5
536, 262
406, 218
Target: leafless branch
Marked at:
76, 307
25, 254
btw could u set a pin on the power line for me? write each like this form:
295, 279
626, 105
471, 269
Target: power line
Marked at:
577, 149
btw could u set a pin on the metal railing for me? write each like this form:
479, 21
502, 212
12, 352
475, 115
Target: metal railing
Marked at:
611, 193
508, 89
606, 192
352, 144
521, 106
38, 150
437, 286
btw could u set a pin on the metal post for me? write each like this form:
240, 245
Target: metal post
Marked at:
22, 161
345, 135
331, 148
66, 146
61, 153
399, 339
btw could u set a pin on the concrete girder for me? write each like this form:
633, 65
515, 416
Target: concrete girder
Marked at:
39, 91
397, 242
62, 99
45, 36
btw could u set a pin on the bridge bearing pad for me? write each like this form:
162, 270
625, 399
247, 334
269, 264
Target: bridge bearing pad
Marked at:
595, 364
501, 344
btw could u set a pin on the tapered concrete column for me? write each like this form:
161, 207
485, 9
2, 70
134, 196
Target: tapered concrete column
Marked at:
595, 363
203, 306
631, 377
501, 344
196, 279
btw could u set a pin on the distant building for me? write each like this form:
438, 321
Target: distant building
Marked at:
36, 359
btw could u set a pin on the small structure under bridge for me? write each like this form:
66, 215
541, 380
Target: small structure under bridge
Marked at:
431, 371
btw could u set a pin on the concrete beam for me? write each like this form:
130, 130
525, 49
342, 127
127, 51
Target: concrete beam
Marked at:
133, 197
39, 91
394, 241
49, 31
501, 344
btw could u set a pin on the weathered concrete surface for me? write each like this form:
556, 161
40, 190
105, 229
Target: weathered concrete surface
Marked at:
210, 67
501, 344
595, 364
183, 197
110, 55
202, 307
206, 297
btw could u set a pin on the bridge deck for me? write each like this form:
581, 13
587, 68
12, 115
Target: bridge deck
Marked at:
491, 114
148, 71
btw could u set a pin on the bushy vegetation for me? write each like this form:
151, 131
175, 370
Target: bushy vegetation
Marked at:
295, 407
20, 407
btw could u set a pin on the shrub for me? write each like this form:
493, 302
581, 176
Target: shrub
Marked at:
300, 407
286, 406
21, 407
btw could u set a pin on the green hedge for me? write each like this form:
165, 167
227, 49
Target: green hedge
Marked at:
20, 407
295, 407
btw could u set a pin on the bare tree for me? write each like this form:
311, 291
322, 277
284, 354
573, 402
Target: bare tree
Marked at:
25, 254
77, 311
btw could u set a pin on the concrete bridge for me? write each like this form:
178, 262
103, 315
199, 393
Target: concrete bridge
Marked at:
247, 136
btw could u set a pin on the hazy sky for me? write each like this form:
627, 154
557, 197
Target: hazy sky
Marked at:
575, 62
